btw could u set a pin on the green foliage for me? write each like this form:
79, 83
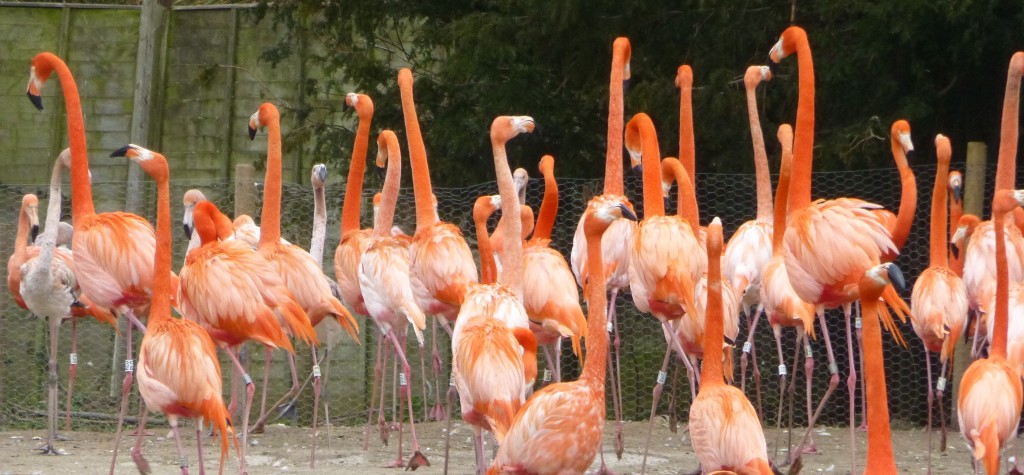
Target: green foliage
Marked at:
940, 65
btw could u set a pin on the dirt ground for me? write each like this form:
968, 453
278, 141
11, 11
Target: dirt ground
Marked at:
286, 450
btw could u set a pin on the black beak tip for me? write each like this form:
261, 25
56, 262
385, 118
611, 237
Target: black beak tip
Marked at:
958, 194
955, 250
36, 100
35, 232
252, 133
896, 277
911, 154
121, 152
639, 169
627, 213
730, 341
188, 230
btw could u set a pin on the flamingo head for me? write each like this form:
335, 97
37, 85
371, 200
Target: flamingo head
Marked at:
210, 223
505, 127
1006, 201
387, 144
956, 186
684, 76
65, 233
189, 201
30, 207
621, 46
41, 69
964, 229
547, 165
521, 178
361, 103
604, 210
485, 206
153, 163
788, 42
885, 274
319, 175
900, 133
756, 74
266, 114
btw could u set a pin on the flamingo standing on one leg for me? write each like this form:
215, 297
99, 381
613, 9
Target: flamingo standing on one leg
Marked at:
938, 304
113, 251
300, 272
539, 440
724, 428
618, 239
385, 283
990, 390
750, 247
179, 374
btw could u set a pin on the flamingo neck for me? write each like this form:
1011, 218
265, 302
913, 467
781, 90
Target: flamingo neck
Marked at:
316, 245
270, 218
687, 199
998, 348
956, 210
389, 193
352, 207
49, 241
711, 373
908, 197
417, 155
21, 239
880, 457
613, 183
81, 186
938, 253
764, 182
512, 254
654, 203
597, 301
1007, 168
781, 195
160, 306
488, 268
687, 146
803, 142
549, 207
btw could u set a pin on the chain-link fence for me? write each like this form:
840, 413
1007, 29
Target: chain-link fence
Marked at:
349, 367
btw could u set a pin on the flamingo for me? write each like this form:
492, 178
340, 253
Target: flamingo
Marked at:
750, 247
828, 243
179, 374
665, 261
990, 398
618, 239
780, 302
442, 265
353, 239
880, 458
938, 304
521, 178
955, 189
188, 202
724, 428
113, 251
300, 272
384, 280
539, 439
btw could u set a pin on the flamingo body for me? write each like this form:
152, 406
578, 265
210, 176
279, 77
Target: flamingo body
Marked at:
346, 268
616, 249
550, 296
939, 309
665, 264
746, 256
386, 288
442, 267
989, 408
725, 432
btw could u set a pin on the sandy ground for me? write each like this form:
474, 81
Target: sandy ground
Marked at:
286, 450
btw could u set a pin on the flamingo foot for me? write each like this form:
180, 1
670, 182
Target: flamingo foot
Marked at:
863, 427
438, 413
811, 448
385, 432
257, 429
140, 462
619, 446
50, 450
604, 470
145, 433
397, 463
417, 460
1015, 470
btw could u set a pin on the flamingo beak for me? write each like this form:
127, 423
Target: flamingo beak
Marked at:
320, 172
908, 145
896, 277
124, 151
35, 232
33, 90
187, 222
254, 125
958, 193
626, 212
776, 54
955, 250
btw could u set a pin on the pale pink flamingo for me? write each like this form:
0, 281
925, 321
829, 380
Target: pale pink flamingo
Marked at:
955, 189
493, 350
724, 428
188, 202
617, 241
938, 304
990, 398
353, 239
300, 272
179, 374
539, 439
442, 265
386, 287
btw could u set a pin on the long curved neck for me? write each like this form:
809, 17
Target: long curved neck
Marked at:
1007, 168
270, 219
512, 254
160, 307
49, 241
654, 204
597, 301
549, 206
389, 193
714, 328
417, 155
781, 195
613, 183
21, 239
908, 197
764, 182
803, 142
956, 210
352, 208
316, 245
81, 187
687, 144
938, 245
488, 268
998, 348
880, 457
687, 200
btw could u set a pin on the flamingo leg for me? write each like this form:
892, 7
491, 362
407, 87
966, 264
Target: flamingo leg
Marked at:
126, 385
72, 370
777, 331
438, 413
940, 388
550, 363
613, 382
673, 395
617, 344
199, 444
832, 385
851, 385
182, 461
478, 447
316, 404
662, 374
748, 345
258, 426
450, 398
266, 381
792, 391
140, 461
423, 381
417, 459
376, 379
396, 414
385, 429
928, 368
250, 390
809, 376
558, 360
863, 391
51, 400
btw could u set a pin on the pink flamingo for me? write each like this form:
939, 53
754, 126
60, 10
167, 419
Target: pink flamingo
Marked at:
353, 239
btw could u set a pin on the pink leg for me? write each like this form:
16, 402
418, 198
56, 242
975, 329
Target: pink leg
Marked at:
385, 429
928, 368
199, 443
617, 394
129, 369
832, 385
316, 404
662, 375
72, 370
250, 390
182, 461
940, 388
263, 397
747, 346
438, 412
140, 461
478, 446
376, 379
448, 423
417, 459
258, 427
863, 427
777, 331
423, 381
851, 385
812, 448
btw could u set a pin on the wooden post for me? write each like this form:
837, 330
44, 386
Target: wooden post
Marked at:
148, 74
974, 202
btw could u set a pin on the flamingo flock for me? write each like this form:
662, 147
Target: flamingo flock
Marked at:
240, 282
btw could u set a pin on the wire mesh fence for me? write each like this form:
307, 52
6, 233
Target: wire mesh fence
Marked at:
349, 366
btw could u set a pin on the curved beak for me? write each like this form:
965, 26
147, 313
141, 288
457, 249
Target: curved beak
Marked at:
320, 172
896, 277
776, 54
122, 152
34, 233
187, 222
35, 98
254, 125
33, 90
907, 144
958, 193
626, 212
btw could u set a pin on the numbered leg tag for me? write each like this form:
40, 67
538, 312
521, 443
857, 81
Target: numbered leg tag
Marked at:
609, 326
129, 366
451, 380
782, 370
747, 346
807, 350
662, 376
74, 358
401, 379
316, 371
833, 369
547, 375
183, 463
246, 379
940, 385
858, 323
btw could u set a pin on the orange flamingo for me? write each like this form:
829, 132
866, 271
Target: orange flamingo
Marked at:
113, 251
938, 304
955, 189
666, 261
880, 458
442, 264
236, 295
724, 428
189, 201
493, 350
618, 240
539, 440
990, 390
780, 302
179, 374
384, 280
353, 239
822, 271
301, 274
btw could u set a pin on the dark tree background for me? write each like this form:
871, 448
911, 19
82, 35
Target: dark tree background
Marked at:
941, 65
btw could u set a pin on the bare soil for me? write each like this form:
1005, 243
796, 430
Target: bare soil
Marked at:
285, 449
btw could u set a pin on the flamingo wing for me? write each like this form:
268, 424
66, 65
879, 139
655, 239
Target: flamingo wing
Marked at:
938, 306
746, 255
346, 267
666, 263
724, 429
385, 284
307, 282
550, 293
115, 252
442, 267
